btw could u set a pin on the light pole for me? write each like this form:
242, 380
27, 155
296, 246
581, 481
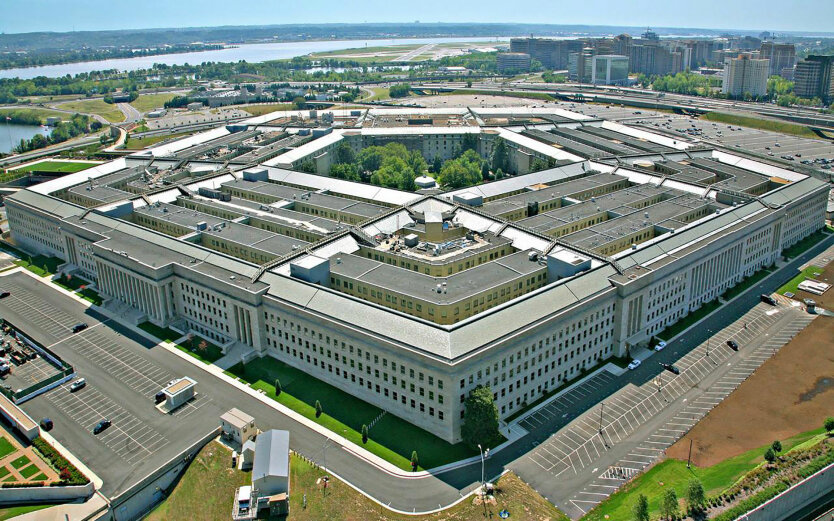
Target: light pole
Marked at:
484, 454
601, 407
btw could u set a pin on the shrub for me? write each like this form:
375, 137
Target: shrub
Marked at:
69, 474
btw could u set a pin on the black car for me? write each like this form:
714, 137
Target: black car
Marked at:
100, 426
671, 368
46, 424
81, 326
4, 294
732, 344
159, 398
768, 299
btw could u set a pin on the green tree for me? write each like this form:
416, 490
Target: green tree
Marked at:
364, 433
485, 171
695, 497
308, 166
776, 446
277, 387
318, 409
436, 164
400, 90
769, 455
829, 425
299, 102
669, 507
344, 154
480, 419
640, 509
415, 461
345, 171
500, 156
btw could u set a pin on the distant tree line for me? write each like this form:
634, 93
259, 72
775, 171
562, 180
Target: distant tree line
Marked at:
78, 124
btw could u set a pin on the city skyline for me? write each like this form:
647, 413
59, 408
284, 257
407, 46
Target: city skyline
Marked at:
766, 15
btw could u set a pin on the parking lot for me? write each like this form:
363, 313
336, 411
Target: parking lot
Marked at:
607, 445
121, 383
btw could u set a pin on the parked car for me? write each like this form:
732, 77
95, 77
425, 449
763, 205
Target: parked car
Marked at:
159, 398
100, 426
634, 364
733, 345
768, 299
46, 424
78, 384
660, 346
4, 294
671, 368
81, 326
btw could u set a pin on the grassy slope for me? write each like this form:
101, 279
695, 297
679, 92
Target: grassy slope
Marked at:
673, 473
95, 106
379, 94
148, 102
37, 111
11, 512
761, 124
206, 490
260, 110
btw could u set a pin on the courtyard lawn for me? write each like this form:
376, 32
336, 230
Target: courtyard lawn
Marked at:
29, 471
79, 286
266, 108
6, 448
793, 284
21, 462
673, 473
201, 349
68, 167
392, 438
134, 143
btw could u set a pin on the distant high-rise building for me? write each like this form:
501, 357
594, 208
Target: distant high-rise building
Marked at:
745, 74
650, 58
651, 35
813, 78
510, 62
609, 69
781, 55
579, 65
553, 54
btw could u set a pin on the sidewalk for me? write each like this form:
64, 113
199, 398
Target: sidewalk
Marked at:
68, 511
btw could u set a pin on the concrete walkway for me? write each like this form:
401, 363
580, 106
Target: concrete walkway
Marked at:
75, 511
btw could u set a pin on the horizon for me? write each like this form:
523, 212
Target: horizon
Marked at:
161, 15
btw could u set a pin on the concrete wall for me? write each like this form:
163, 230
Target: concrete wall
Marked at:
796, 497
45, 494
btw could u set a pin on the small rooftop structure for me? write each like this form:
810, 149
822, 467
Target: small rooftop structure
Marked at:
425, 181
238, 426
178, 392
271, 470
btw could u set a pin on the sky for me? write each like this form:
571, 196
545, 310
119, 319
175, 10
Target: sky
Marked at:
811, 16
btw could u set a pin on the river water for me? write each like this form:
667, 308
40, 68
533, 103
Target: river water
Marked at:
252, 53
10, 135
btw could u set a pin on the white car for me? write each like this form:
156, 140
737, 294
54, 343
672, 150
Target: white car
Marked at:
634, 364
660, 345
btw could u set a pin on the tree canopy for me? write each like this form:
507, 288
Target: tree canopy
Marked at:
480, 419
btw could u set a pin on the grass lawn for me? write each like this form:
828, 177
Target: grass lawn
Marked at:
808, 242
41, 113
793, 284
761, 124
148, 102
165, 334
266, 108
75, 284
95, 106
39, 477
747, 283
379, 94
10, 512
40, 264
688, 320
206, 489
673, 473
138, 143
6, 448
4, 471
391, 438
21, 462
55, 166
30, 471
207, 354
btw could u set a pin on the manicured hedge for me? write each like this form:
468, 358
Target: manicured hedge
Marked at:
61, 463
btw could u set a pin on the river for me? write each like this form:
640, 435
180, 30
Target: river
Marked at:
252, 53
11, 134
